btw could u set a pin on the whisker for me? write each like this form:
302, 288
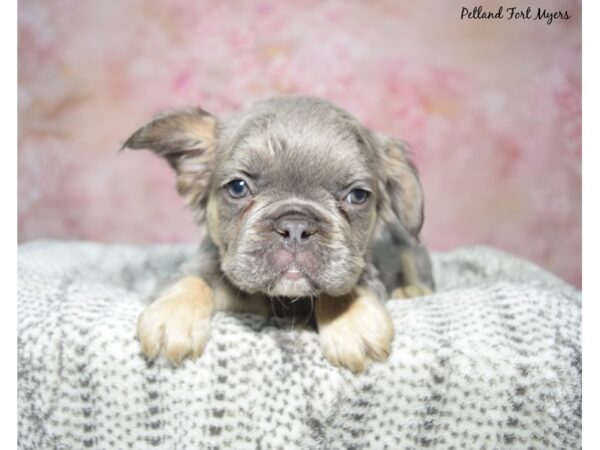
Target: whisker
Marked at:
237, 296
281, 303
273, 309
312, 310
293, 319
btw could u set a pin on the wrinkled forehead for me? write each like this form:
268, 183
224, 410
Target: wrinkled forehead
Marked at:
298, 150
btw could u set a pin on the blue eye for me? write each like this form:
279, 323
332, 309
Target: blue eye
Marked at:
237, 188
357, 196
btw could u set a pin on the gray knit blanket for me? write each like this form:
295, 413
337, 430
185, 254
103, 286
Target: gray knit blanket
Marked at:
492, 360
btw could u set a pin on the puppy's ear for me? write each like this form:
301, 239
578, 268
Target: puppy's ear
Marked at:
186, 138
401, 194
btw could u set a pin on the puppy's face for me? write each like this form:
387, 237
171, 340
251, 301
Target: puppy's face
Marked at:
293, 202
293, 191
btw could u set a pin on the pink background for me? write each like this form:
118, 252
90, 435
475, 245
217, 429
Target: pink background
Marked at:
492, 109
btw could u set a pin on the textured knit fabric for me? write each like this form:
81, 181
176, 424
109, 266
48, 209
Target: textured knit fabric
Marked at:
491, 360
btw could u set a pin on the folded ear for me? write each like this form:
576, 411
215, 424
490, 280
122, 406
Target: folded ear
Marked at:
401, 194
186, 138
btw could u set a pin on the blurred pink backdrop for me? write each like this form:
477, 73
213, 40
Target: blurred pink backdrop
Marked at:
492, 109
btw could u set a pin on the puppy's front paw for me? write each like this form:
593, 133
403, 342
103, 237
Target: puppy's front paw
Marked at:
353, 330
178, 323
411, 291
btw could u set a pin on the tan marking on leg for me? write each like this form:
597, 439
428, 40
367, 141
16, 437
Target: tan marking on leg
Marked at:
411, 291
353, 329
178, 323
413, 287
228, 298
407, 265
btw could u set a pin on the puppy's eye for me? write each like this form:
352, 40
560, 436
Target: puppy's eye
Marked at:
237, 188
357, 196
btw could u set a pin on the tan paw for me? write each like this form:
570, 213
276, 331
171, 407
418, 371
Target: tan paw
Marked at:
178, 323
354, 331
412, 290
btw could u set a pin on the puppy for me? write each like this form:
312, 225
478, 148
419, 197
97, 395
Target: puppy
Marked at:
300, 201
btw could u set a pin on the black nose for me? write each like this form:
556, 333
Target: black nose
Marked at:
296, 231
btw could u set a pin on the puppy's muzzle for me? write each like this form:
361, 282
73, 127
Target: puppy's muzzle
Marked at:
296, 230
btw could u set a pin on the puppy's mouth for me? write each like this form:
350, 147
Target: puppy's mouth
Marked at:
293, 273
292, 281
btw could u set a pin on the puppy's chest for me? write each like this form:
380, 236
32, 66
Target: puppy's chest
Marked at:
296, 309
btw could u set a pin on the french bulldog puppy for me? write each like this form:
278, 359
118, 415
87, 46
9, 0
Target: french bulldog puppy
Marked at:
300, 201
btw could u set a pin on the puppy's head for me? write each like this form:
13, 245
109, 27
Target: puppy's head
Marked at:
292, 190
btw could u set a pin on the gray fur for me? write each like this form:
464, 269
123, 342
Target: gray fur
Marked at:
299, 156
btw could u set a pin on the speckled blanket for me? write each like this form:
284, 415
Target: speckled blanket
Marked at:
492, 360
